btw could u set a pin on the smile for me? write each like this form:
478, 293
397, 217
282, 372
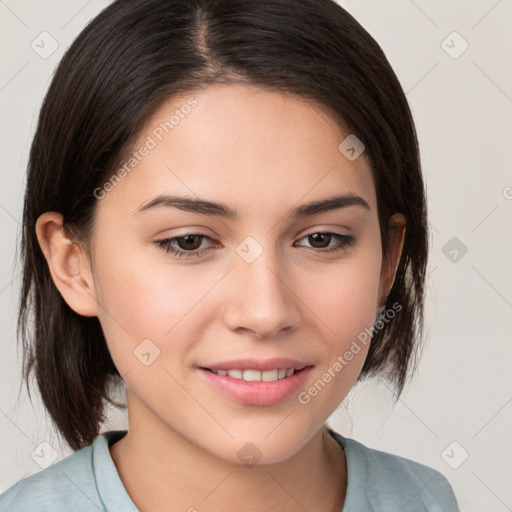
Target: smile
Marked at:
256, 375
256, 387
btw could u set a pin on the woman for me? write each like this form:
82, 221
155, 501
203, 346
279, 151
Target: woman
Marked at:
225, 212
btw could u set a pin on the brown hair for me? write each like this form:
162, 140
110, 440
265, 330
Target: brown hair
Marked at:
135, 55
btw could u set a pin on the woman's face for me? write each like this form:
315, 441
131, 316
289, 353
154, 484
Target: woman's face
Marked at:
257, 285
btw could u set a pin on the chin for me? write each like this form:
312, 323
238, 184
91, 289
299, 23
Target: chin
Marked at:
256, 450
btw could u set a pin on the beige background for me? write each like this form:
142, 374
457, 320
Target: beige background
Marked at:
460, 403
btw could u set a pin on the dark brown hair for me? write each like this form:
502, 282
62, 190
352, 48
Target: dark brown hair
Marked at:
135, 55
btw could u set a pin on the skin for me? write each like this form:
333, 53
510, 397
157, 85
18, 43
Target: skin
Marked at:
261, 153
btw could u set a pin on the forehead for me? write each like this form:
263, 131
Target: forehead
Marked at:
244, 145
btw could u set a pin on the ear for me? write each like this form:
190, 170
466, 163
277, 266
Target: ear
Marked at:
391, 260
68, 263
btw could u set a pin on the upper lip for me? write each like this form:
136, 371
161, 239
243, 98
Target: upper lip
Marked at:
258, 364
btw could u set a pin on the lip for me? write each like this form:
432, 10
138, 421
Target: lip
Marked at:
258, 364
259, 392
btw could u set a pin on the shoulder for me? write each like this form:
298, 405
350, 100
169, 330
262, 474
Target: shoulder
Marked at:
391, 481
69, 481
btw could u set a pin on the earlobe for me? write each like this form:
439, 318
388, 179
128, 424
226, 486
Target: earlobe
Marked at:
390, 262
68, 264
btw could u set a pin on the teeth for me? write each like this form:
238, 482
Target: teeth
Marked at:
256, 375
236, 374
251, 375
270, 375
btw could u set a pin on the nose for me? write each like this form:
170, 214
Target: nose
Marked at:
260, 299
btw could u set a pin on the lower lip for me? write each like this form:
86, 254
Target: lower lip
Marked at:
256, 393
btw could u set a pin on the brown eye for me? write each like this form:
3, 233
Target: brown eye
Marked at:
321, 240
318, 239
186, 246
189, 242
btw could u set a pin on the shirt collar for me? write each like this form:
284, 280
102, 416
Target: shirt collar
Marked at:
110, 487
357, 475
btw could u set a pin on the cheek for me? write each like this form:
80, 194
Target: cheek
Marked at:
342, 299
344, 306
143, 299
343, 296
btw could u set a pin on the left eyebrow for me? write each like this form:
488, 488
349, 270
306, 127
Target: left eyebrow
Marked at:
332, 203
204, 207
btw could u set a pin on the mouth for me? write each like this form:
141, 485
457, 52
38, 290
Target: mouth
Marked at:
251, 375
257, 383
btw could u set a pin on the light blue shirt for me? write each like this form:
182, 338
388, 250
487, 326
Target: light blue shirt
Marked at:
87, 481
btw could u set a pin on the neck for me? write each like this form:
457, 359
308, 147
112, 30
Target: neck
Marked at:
161, 470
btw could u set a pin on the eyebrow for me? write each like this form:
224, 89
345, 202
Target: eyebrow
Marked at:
204, 207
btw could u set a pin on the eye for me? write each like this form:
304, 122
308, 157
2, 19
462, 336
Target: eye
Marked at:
188, 245
321, 239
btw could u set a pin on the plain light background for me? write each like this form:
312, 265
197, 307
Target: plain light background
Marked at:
453, 60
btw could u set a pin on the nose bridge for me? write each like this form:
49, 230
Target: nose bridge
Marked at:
261, 301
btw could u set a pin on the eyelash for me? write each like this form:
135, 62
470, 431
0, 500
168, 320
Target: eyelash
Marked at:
166, 244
